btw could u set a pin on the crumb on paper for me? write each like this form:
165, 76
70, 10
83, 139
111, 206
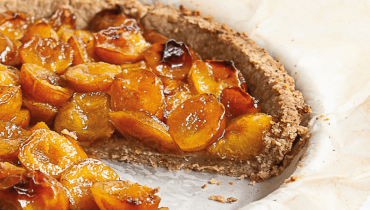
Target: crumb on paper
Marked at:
326, 119
218, 198
156, 190
204, 186
322, 116
212, 181
164, 208
232, 200
231, 183
218, 183
242, 177
253, 183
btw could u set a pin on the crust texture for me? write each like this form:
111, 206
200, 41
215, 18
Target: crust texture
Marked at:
267, 81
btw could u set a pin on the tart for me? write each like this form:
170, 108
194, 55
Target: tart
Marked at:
266, 80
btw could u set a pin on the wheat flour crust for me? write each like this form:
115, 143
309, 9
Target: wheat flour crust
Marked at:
267, 81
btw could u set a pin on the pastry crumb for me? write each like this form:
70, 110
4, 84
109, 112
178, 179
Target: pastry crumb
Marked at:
232, 200
176, 31
218, 183
253, 183
242, 177
218, 198
204, 186
156, 190
326, 119
212, 181
231, 183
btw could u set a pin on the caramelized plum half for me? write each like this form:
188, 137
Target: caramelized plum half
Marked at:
14, 24
153, 37
177, 97
91, 77
213, 76
79, 178
8, 169
10, 102
62, 17
43, 85
52, 54
22, 119
49, 152
79, 47
8, 51
39, 111
108, 18
9, 76
238, 102
32, 190
125, 195
41, 29
197, 122
172, 59
118, 45
137, 90
146, 128
86, 114
243, 137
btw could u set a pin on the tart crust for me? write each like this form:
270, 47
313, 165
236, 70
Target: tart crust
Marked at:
267, 81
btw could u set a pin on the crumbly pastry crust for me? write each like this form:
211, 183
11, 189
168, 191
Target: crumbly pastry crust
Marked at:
267, 81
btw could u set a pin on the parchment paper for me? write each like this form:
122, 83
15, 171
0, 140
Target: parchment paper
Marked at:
325, 46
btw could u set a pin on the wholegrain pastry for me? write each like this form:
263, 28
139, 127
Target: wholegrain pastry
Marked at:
267, 81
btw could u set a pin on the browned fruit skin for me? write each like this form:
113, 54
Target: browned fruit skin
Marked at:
137, 90
108, 18
22, 119
146, 128
14, 25
39, 111
62, 17
78, 181
9, 76
91, 77
213, 76
49, 152
170, 84
9, 130
10, 102
79, 50
43, 85
8, 169
243, 137
172, 59
118, 45
52, 54
34, 190
40, 29
197, 122
115, 195
177, 97
8, 51
39, 125
238, 102
87, 115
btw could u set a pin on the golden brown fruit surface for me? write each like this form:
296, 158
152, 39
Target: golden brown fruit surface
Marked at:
137, 90
177, 97
62, 17
243, 137
79, 47
91, 77
86, 114
118, 45
52, 54
39, 111
213, 76
49, 152
78, 181
14, 24
238, 102
172, 59
9, 76
197, 122
146, 128
32, 190
115, 195
22, 119
8, 51
10, 102
41, 29
43, 85
8, 169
